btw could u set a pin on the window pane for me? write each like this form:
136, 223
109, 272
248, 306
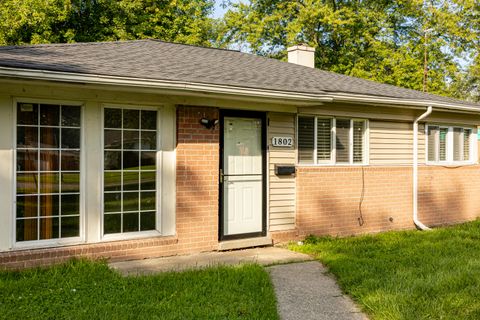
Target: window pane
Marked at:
112, 181
27, 137
27, 206
70, 227
342, 140
457, 144
130, 201
131, 140
149, 140
27, 229
358, 138
136, 140
71, 138
147, 201
49, 183
70, 204
70, 182
131, 160
131, 119
112, 202
27, 113
27, 160
324, 139
70, 160
443, 144
306, 137
130, 222
27, 183
49, 205
113, 118
49, 160
131, 180
52, 159
148, 160
112, 223
113, 139
112, 160
49, 228
71, 116
149, 120
49, 138
466, 144
49, 115
147, 180
147, 221
433, 134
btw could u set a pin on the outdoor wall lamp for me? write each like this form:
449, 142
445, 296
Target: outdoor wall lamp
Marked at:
208, 123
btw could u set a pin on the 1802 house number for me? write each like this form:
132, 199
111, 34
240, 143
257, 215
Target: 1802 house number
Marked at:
282, 142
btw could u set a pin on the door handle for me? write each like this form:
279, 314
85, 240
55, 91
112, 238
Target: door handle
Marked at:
221, 176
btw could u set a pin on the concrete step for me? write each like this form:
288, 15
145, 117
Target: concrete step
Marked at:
244, 243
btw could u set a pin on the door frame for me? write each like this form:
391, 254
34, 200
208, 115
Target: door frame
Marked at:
242, 114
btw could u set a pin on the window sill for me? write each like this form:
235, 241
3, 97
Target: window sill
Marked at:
51, 243
451, 164
130, 235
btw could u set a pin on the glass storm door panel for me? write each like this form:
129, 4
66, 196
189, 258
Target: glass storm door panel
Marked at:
242, 176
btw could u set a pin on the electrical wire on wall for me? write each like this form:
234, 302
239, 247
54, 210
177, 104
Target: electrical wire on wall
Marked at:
361, 222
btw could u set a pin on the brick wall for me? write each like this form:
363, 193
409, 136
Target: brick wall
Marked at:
197, 157
197, 180
329, 198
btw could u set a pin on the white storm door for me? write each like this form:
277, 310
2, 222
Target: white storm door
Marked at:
242, 176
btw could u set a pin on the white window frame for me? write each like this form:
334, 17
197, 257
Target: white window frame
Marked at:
333, 152
158, 172
32, 244
449, 147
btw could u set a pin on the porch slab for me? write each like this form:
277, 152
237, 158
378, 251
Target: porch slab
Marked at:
264, 256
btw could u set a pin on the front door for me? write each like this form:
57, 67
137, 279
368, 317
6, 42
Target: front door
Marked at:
242, 175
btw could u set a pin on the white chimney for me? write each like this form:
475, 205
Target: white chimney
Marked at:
302, 55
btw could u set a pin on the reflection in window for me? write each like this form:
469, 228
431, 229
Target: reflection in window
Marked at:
130, 144
48, 172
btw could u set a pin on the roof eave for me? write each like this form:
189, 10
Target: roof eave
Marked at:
321, 97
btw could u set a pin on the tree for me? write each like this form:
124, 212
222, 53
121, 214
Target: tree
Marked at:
382, 40
46, 21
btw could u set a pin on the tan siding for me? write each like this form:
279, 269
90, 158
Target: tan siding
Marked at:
391, 143
281, 189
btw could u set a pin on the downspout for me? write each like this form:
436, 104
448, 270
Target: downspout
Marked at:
419, 225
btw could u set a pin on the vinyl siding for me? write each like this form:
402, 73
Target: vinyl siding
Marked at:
281, 189
391, 143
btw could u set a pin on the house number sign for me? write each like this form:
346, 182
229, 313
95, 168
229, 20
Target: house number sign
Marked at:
282, 142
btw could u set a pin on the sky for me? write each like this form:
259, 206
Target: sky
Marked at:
219, 11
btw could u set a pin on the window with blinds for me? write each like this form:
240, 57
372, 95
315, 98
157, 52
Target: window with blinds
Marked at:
449, 144
330, 140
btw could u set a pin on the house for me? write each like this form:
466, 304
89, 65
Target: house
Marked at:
146, 148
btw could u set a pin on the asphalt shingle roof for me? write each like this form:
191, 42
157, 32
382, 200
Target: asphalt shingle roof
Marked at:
158, 60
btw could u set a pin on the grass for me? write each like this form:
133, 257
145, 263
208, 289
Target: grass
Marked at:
82, 289
409, 274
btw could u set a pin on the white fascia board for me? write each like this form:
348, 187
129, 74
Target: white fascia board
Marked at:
401, 102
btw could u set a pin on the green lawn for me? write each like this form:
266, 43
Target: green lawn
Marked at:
90, 290
407, 275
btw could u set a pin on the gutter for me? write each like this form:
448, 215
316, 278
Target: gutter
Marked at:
319, 97
417, 222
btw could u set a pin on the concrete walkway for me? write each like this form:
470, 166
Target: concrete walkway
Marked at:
263, 256
304, 289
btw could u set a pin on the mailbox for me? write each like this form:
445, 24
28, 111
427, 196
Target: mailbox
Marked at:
284, 170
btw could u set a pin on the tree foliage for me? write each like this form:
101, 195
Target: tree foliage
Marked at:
382, 40
46, 21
